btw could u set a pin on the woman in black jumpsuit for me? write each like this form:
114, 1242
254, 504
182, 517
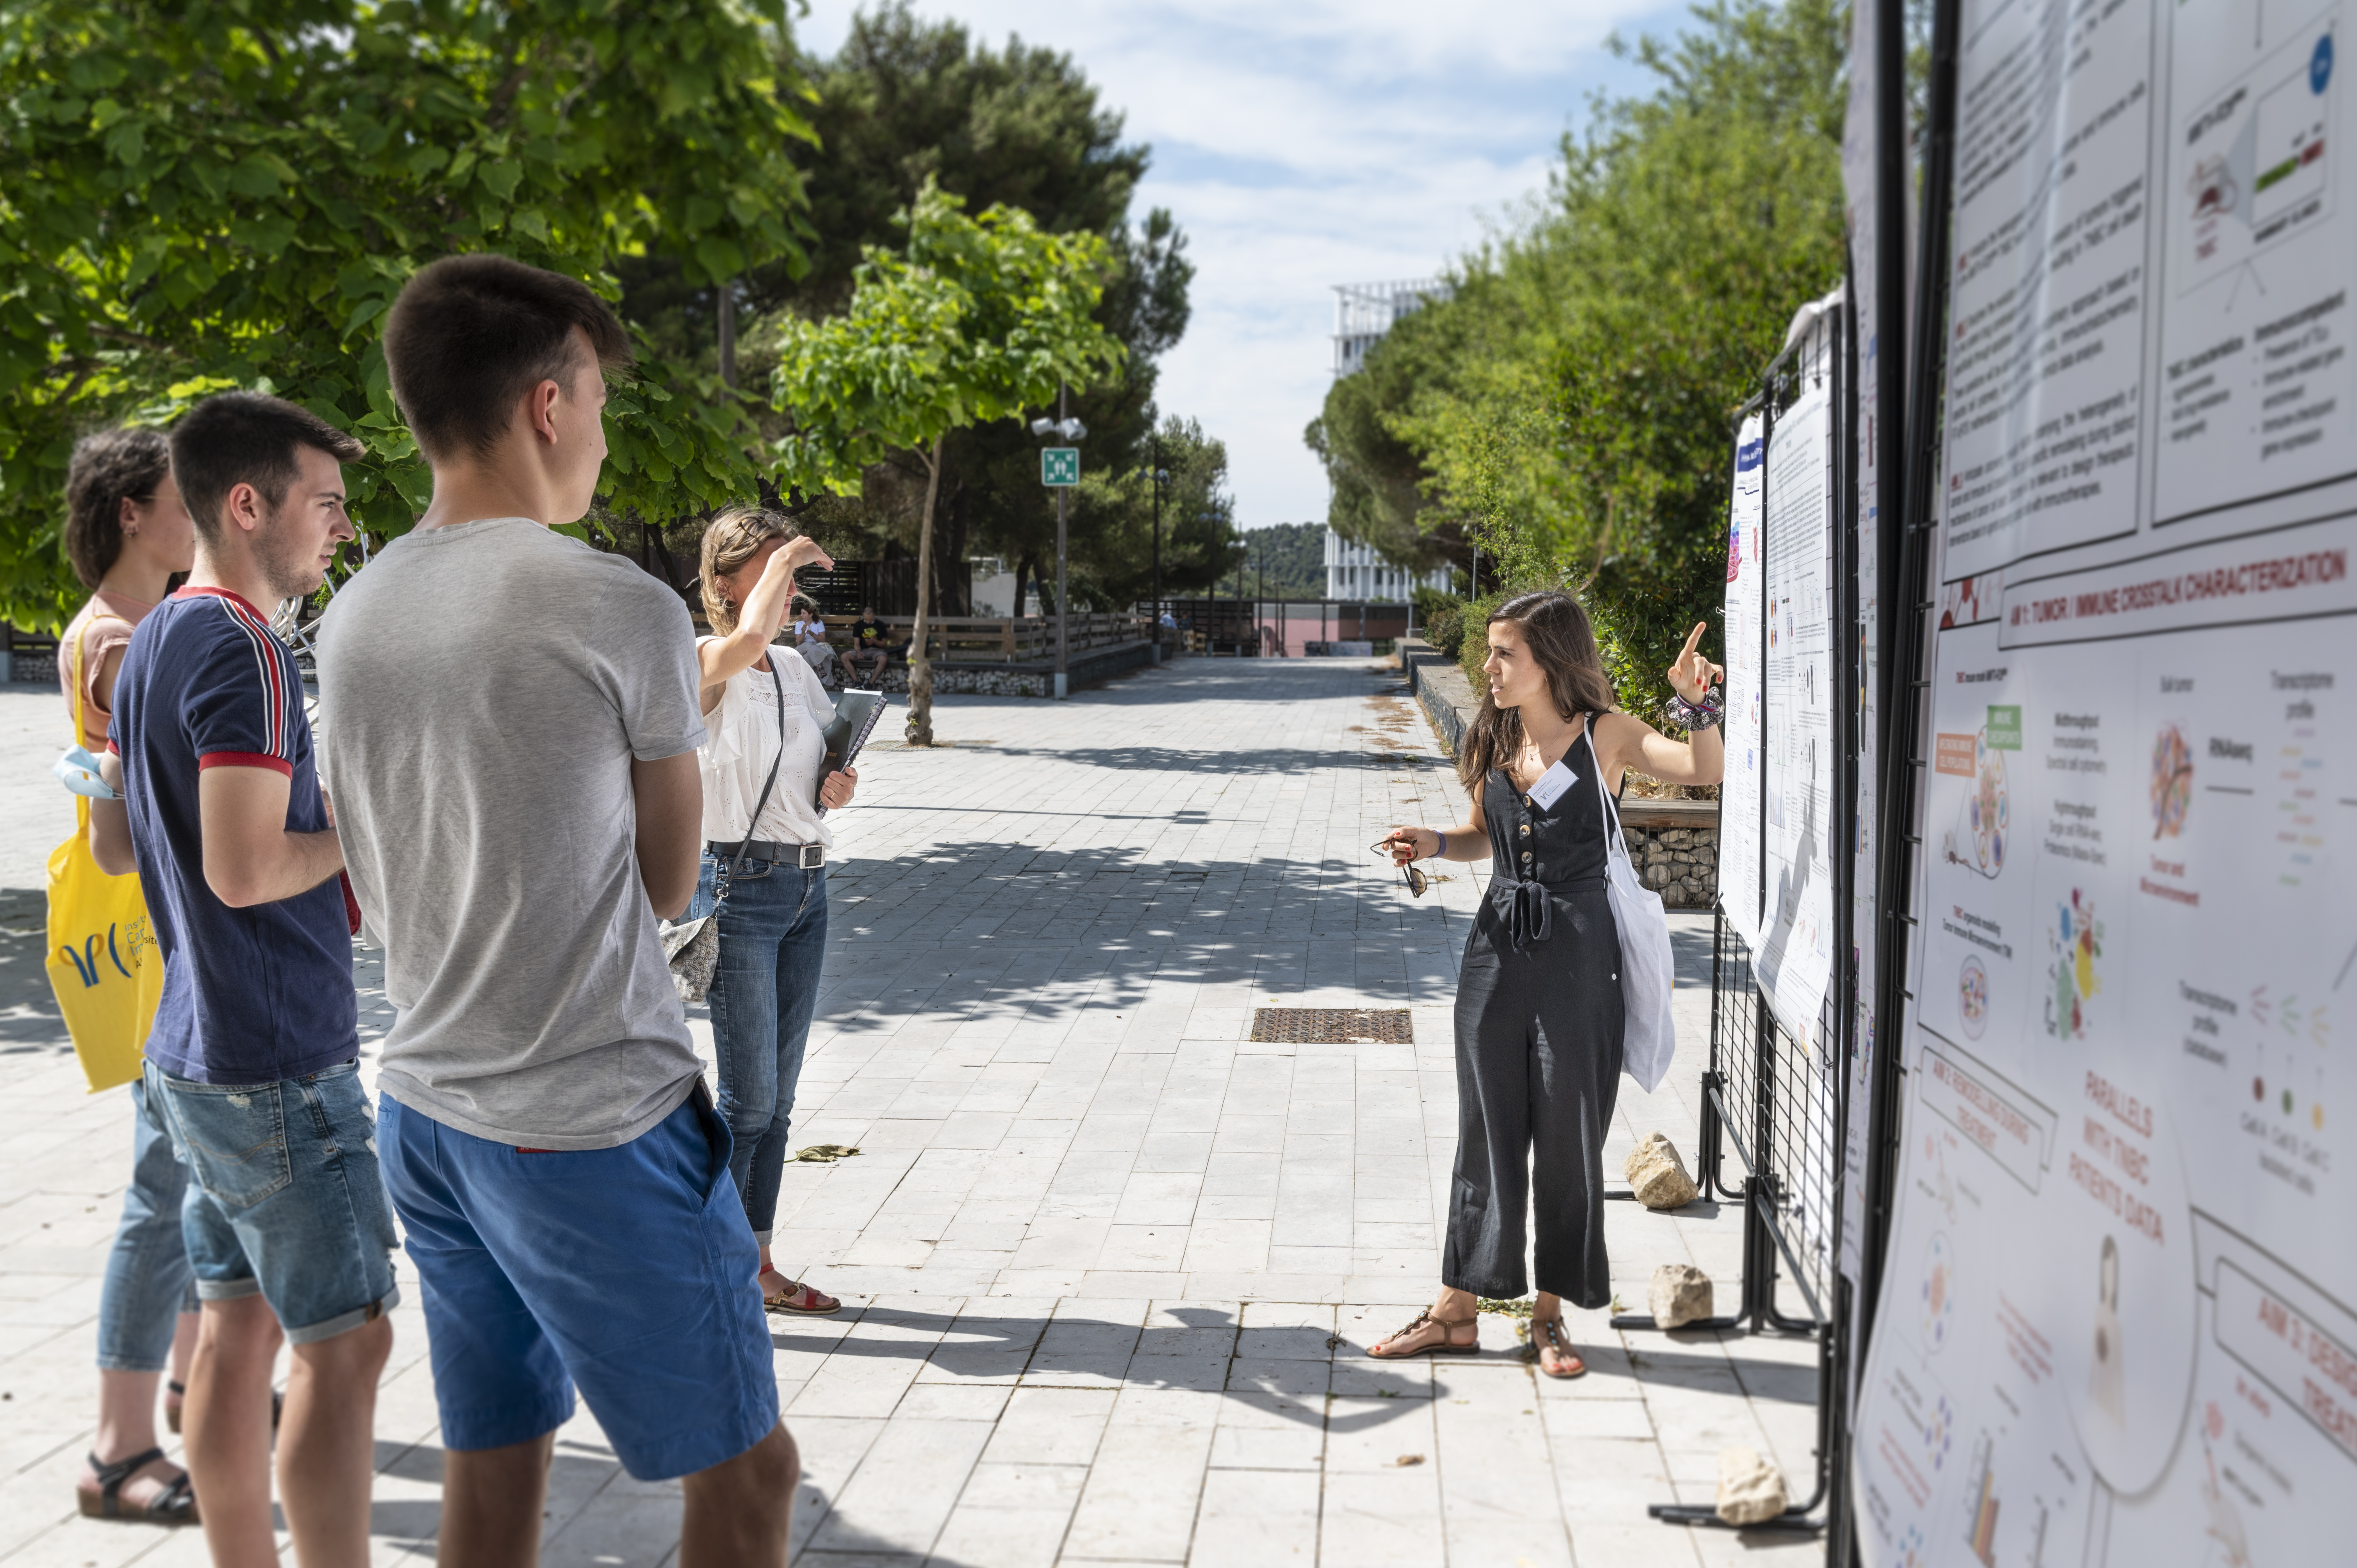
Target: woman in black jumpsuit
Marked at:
1538, 995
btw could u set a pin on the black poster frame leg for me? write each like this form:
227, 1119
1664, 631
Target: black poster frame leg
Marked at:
1772, 1056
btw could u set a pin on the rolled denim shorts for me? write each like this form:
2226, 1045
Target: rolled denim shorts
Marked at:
284, 1197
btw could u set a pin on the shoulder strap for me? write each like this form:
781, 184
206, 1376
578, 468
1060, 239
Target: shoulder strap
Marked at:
1612, 837
80, 635
753, 822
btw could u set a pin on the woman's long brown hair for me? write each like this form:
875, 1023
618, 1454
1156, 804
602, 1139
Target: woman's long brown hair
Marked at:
733, 538
1558, 633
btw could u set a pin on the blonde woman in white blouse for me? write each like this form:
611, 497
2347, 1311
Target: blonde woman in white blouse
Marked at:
773, 921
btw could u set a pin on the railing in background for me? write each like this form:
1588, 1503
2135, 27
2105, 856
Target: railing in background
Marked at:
974, 640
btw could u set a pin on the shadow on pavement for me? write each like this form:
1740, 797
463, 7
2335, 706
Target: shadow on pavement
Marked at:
29, 1021
1288, 1372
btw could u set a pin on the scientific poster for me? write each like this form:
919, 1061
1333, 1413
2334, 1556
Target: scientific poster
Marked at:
1795, 949
1738, 795
2119, 1322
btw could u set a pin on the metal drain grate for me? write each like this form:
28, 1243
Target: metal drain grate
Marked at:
1332, 1027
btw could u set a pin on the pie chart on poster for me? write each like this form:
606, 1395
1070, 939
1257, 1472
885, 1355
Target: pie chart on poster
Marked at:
2117, 1281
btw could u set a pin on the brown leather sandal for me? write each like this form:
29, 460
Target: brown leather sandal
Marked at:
1444, 1346
801, 1300
1546, 1334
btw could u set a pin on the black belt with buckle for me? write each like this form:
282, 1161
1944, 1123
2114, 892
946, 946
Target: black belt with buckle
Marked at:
804, 856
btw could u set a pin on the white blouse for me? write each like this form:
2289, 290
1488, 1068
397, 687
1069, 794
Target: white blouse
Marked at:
742, 740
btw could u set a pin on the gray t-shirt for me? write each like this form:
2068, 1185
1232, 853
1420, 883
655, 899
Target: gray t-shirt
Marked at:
483, 688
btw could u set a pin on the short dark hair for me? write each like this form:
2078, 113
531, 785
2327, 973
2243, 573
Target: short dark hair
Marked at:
470, 335
246, 438
107, 470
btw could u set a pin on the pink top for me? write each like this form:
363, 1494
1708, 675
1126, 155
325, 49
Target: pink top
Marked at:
103, 624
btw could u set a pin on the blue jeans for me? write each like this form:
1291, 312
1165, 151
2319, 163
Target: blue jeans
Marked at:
772, 945
284, 1197
148, 1281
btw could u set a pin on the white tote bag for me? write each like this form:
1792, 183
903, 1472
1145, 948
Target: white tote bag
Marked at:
1648, 1039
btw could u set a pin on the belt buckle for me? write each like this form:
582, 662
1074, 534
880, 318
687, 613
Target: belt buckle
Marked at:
811, 856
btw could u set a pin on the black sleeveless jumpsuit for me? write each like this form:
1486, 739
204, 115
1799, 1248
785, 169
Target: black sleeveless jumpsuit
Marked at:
1538, 1047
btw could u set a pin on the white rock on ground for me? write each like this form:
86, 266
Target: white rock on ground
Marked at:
1750, 1489
1657, 1174
1679, 1294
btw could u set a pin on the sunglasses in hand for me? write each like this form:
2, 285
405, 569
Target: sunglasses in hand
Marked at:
1410, 873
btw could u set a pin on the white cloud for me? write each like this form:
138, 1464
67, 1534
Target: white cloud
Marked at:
1304, 144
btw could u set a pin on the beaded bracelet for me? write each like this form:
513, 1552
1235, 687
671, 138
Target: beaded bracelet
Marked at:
1699, 716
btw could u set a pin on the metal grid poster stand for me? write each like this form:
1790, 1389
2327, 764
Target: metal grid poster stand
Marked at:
1780, 1103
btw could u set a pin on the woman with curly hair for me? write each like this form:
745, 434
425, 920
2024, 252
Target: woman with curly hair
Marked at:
127, 535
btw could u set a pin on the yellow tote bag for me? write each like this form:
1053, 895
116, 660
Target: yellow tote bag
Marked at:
103, 962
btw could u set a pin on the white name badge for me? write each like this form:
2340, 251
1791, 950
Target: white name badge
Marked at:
1552, 784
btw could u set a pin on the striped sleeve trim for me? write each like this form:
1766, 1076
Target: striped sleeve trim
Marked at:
268, 673
245, 759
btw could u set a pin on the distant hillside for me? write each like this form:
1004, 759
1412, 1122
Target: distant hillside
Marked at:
1293, 557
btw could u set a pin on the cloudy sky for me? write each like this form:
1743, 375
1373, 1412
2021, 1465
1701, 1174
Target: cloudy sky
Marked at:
1303, 144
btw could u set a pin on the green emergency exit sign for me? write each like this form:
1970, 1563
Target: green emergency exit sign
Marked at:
1059, 465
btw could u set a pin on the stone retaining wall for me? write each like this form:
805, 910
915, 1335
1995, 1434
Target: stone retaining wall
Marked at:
1673, 844
1677, 854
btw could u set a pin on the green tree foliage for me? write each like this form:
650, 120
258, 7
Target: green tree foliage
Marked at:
906, 100
210, 196
1571, 403
978, 319
1113, 523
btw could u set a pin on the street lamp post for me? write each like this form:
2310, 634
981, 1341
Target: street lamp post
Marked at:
1072, 430
1161, 478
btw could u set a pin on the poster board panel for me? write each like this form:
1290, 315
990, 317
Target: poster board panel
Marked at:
2119, 1321
1797, 687
1745, 634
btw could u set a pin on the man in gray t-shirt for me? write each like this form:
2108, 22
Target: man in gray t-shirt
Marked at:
510, 730
480, 759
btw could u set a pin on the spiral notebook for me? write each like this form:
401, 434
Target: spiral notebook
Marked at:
856, 714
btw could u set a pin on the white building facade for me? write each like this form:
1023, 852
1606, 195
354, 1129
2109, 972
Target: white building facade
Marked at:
1356, 572
1364, 312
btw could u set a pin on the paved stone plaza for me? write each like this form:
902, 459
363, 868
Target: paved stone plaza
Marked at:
1109, 1267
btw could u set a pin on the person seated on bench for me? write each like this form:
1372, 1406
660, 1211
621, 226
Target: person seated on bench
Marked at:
810, 641
871, 649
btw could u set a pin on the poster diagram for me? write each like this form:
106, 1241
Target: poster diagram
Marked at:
1745, 628
2120, 1270
2256, 389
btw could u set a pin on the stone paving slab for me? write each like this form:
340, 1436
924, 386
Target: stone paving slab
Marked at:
1110, 1265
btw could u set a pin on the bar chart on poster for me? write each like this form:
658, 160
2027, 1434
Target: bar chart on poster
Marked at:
2118, 1323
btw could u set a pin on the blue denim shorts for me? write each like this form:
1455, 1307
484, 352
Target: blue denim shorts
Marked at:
284, 1197
629, 1272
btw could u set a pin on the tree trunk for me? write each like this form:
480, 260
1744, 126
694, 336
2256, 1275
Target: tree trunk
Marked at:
920, 666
